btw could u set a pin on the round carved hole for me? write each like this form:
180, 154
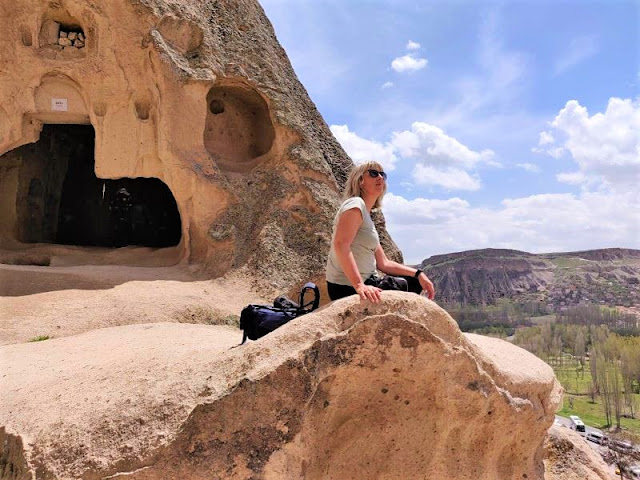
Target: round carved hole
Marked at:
243, 132
216, 106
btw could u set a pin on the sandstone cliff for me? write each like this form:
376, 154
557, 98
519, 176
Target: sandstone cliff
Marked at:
481, 277
190, 107
327, 396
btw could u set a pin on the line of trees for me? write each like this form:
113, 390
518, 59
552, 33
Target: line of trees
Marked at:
615, 375
621, 323
506, 315
614, 361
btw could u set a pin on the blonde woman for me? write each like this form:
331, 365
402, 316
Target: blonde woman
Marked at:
356, 254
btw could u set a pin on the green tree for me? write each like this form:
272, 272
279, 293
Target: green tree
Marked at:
580, 346
629, 366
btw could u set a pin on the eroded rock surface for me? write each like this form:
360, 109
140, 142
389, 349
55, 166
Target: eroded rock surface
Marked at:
198, 100
559, 280
568, 457
392, 390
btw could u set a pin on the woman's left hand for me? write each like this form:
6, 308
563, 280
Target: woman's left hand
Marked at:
427, 286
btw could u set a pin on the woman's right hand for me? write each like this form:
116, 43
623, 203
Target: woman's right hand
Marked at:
368, 292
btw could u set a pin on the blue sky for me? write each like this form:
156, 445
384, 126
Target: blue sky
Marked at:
501, 124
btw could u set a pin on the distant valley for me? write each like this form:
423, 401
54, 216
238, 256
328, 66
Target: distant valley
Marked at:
608, 277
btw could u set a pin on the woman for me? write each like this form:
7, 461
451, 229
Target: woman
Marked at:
356, 253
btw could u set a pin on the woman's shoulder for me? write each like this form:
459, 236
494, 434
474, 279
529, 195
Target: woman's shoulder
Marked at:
353, 202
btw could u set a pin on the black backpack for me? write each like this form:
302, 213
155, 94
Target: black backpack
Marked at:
258, 320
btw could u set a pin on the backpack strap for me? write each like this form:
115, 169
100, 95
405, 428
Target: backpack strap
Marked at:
313, 303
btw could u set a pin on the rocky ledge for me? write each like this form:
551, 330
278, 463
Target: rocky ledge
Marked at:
355, 390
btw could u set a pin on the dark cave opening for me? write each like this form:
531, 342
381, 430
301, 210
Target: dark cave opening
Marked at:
60, 199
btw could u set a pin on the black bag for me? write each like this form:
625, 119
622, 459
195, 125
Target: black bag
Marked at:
258, 320
388, 282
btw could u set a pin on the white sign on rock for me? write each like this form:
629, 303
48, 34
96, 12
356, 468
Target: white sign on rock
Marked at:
59, 105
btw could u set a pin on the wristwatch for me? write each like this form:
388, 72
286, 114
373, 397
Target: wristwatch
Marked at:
417, 274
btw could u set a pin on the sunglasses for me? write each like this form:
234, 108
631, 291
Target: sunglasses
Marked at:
374, 173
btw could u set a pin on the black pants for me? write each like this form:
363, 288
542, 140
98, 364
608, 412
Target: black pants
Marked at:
337, 291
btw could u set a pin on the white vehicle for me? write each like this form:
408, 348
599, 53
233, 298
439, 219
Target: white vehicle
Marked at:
577, 425
596, 437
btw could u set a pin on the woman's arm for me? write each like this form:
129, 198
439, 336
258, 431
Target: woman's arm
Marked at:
348, 224
394, 268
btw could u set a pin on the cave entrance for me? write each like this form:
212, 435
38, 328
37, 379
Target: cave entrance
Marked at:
60, 199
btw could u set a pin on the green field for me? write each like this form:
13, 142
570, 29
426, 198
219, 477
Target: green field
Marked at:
574, 381
577, 385
592, 414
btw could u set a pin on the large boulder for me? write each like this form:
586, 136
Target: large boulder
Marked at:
353, 391
192, 107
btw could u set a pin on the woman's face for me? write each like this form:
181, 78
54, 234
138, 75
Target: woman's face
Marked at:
372, 185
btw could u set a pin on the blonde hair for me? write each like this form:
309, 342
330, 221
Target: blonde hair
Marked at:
352, 187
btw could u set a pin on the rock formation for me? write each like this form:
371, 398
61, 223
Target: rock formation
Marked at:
481, 277
353, 391
568, 457
164, 123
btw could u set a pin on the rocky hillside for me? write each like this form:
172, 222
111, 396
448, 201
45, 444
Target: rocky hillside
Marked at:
481, 277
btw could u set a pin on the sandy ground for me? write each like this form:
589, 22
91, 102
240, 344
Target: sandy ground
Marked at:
72, 298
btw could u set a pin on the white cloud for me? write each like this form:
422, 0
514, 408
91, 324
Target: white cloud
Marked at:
606, 146
423, 211
387, 85
408, 63
448, 178
572, 178
411, 45
545, 138
438, 159
362, 150
430, 144
538, 223
555, 152
578, 50
529, 167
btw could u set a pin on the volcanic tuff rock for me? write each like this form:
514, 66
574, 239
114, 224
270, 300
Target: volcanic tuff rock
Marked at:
199, 95
353, 391
568, 457
480, 277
